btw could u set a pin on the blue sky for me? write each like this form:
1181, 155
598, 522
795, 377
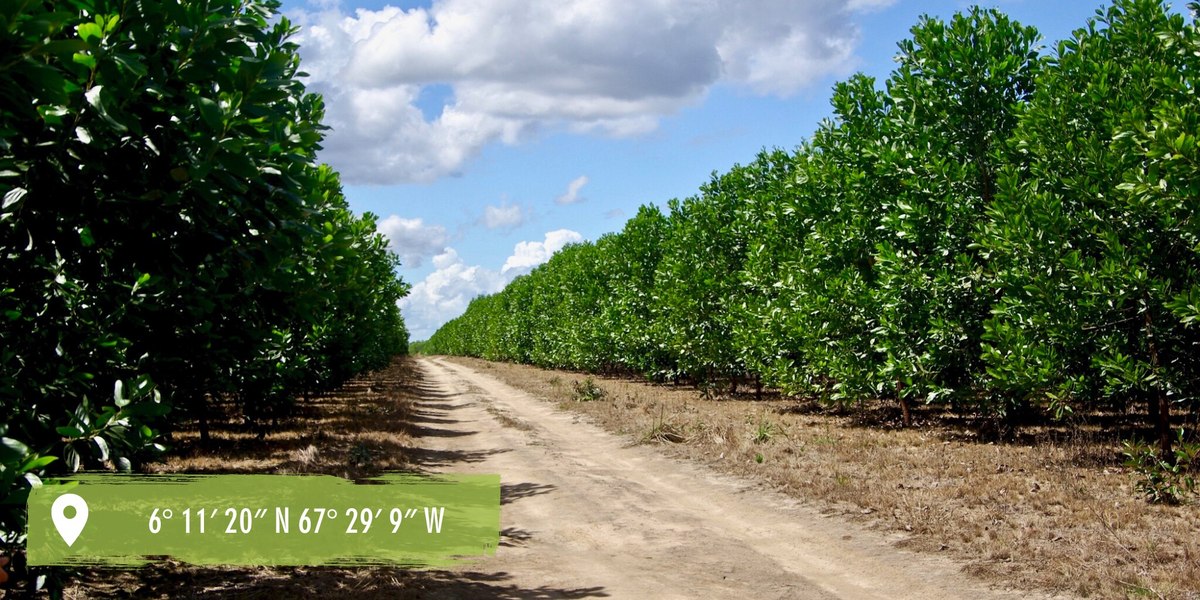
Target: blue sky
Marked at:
486, 134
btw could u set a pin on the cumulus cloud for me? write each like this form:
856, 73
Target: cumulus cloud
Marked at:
571, 196
412, 240
445, 293
869, 5
505, 216
516, 68
527, 255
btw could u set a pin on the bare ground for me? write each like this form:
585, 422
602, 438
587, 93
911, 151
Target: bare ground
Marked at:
587, 510
1051, 511
768, 502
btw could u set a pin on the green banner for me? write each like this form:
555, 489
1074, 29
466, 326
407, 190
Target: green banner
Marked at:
405, 520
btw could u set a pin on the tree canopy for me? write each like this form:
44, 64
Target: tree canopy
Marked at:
1001, 230
167, 237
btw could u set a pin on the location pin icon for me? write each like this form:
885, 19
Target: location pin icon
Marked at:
69, 527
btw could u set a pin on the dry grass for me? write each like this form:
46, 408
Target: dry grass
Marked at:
363, 429
1052, 511
359, 431
371, 425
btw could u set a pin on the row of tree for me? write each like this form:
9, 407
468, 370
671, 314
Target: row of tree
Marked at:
995, 228
167, 239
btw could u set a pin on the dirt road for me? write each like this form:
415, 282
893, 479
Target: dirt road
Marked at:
586, 514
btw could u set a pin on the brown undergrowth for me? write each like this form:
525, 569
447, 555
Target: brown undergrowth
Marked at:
1053, 509
359, 431
369, 426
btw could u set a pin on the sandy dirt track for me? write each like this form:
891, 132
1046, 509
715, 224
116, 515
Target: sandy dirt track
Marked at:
587, 514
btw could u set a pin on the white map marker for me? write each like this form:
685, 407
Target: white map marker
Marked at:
69, 527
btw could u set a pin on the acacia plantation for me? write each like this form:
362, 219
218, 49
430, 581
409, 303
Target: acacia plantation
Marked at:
997, 227
168, 241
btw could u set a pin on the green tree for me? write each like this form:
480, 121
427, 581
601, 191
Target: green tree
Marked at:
630, 260
955, 97
166, 236
697, 283
1092, 242
809, 270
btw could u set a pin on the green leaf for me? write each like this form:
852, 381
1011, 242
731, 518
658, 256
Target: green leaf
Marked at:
52, 114
12, 197
69, 431
34, 464
88, 31
95, 98
211, 113
71, 457
133, 64
119, 397
101, 447
85, 58
142, 280
12, 450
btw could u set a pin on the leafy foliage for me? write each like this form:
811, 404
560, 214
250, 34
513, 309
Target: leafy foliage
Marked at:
1007, 232
1163, 479
1089, 241
587, 390
166, 235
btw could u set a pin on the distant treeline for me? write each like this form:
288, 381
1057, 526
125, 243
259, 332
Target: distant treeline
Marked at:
996, 228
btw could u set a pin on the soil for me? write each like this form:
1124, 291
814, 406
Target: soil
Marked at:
589, 514
615, 487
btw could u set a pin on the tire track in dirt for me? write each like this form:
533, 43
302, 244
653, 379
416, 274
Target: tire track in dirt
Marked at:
584, 514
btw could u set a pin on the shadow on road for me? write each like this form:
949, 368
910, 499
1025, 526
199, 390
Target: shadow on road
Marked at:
425, 458
366, 413
514, 537
182, 581
511, 492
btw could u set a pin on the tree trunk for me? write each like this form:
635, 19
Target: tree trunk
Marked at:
758, 387
1162, 421
1152, 407
905, 415
203, 420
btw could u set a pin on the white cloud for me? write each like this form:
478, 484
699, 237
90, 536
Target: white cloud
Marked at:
527, 255
571, 196
412, 239
519, 67
445, 293
870, 5
505, 216
614, 214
